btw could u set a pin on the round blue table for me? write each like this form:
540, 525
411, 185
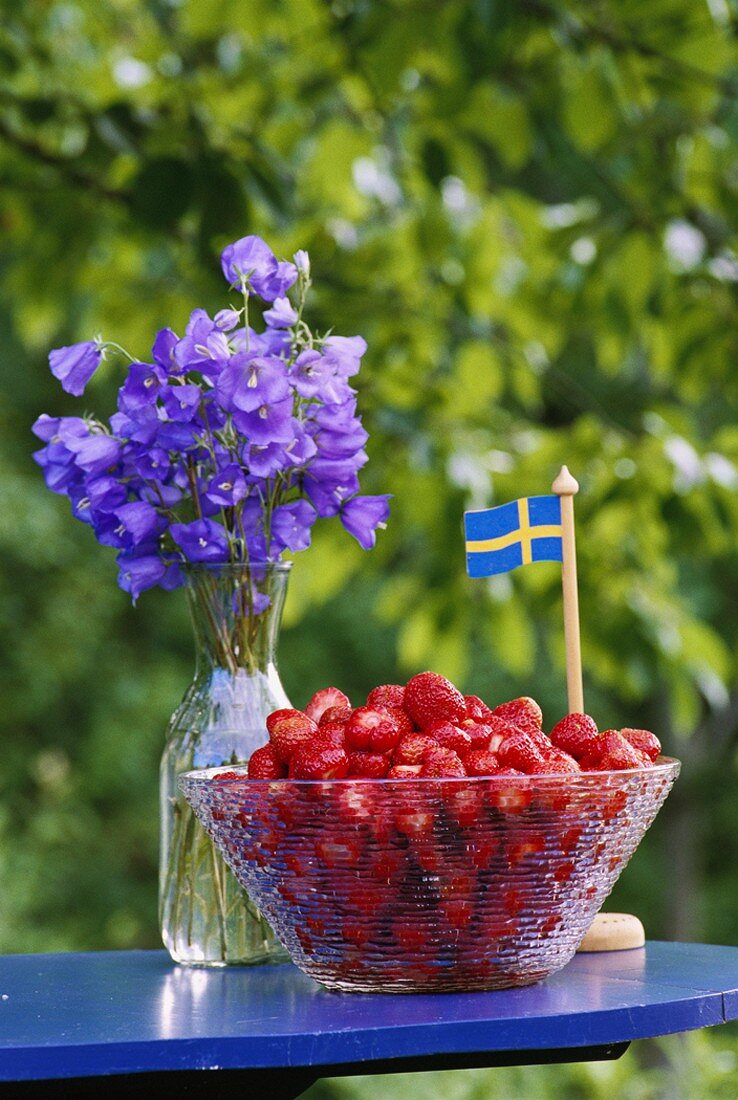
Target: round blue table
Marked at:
66, 1021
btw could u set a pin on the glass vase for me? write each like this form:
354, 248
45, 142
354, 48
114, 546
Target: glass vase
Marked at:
206, 918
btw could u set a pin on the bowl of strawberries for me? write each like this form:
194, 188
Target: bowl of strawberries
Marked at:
425, 841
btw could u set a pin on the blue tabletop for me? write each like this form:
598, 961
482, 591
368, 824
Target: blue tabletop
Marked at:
131, 1012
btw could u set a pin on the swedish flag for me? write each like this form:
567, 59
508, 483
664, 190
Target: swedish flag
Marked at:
523, 531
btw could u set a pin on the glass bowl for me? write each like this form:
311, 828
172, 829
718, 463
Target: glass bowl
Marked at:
429, 885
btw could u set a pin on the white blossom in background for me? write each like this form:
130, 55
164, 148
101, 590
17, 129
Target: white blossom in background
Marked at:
564, 214
684, 244
583, 251
372, 177
129, 72
724, 267
463, 208
688, 468
721, 470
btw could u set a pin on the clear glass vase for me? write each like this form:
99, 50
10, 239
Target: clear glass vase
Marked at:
206, 918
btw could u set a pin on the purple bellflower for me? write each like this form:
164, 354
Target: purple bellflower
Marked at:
228, 446
75, 365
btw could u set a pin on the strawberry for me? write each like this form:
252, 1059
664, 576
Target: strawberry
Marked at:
404, 722
291, 732
319, 762
410, 937
415, 822
513, 797
523, 713
458, 913
520, 751
465, 802
476, 708
368, 765
576, 734
278, 716
326, 697
556, 761
410, 749
355, 804
228, 777
480, 762
404, 771
333, 732
356, 932
264, 763
334, 714
442, 763
449, 736
386, 695
528, 843
371, 729
479, 734
617, 753
643, 740
429, 697
339, 851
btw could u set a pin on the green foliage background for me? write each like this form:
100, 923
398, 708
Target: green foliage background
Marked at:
529, 211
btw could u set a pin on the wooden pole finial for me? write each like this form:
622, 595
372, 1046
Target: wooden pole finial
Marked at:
565, 486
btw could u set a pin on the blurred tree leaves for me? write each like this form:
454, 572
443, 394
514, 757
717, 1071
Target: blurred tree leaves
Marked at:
529, 211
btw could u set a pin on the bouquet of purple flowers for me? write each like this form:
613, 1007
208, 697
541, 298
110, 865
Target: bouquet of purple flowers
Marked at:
228, 445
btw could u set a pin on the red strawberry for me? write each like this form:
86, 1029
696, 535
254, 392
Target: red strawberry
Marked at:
520, 751
228, 777
458, 913
513, 797
264, 763
368, 765
356, 932
415, 822
278, 716
451, 737
410, 937
523, 713
410, 749
338, 851
480, 762
442, 763
371, 729
430, 697
476, 708
404, 771
386, 695
576, 734
290, 733
617, 753
643, 740
326, 697
465, 802
334, 714
404, 722
525, 844
558, 761
319, 762
479, 733
333, 732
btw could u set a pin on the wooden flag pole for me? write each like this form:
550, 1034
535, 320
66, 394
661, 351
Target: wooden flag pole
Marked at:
566, 487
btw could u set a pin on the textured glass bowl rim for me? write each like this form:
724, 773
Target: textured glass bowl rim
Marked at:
665, 766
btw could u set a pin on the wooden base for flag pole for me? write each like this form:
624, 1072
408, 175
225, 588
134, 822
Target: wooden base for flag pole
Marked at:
566, 487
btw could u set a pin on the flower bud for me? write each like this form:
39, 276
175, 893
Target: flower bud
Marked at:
302, 262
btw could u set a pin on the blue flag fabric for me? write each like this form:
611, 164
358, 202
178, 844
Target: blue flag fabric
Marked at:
518, 533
